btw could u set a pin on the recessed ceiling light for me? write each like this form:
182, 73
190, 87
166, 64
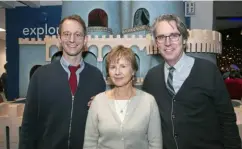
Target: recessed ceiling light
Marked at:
2, 30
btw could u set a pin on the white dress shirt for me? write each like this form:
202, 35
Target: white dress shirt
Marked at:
182, 70
65, 64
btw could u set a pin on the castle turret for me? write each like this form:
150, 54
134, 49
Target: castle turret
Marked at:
126, 14
101, 17
144, 12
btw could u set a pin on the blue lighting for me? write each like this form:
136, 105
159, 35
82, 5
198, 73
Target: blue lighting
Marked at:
235, 19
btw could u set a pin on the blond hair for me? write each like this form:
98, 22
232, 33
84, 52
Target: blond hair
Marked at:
121, 52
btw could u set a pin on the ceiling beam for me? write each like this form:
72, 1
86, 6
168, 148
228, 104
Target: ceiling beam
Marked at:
7, 4
32, 4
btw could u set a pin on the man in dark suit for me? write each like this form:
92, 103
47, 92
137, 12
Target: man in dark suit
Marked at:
195, 108
56, 104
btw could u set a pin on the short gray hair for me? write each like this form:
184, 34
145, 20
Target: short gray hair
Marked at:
170, 17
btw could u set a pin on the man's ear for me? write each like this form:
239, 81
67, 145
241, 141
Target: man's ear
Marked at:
85, 48
85, 40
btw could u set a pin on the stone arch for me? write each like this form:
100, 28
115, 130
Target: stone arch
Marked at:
106, 49
90, 58
137, 52
93, 49
98, 17
104, 65
52, 50
137, 74
135, 49
141, 17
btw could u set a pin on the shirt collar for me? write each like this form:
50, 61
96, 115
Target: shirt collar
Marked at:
179, 64
66, 64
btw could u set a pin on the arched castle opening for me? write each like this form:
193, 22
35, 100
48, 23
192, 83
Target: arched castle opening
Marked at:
90, 56
98, 17
141, 17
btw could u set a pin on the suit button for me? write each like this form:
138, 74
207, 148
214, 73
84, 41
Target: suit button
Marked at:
173, 116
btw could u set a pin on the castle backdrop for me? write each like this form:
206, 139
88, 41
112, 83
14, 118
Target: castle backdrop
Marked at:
109, 23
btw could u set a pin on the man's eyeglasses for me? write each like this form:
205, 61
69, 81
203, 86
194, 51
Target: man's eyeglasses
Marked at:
67, 36
173, 37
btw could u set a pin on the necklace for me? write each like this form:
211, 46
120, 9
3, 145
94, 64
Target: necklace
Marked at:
122, 109
118, 104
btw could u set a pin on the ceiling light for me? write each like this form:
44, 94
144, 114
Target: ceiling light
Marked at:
2, 30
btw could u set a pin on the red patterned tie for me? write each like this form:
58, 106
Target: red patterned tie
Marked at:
73, 78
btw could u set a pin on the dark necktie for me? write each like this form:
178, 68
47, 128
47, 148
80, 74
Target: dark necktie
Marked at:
73, 78
170, 81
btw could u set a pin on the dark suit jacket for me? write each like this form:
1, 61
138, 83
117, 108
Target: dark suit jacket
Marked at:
200, 115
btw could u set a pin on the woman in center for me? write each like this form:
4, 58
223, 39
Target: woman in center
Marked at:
123, 117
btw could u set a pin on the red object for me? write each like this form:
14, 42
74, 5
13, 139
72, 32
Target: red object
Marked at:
73, 78
234, 86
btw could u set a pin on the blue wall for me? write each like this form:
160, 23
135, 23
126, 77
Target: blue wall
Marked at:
16, 20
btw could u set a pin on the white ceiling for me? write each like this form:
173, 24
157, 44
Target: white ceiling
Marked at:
30, 3
13, 4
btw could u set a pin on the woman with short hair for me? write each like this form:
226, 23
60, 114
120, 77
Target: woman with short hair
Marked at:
123, 117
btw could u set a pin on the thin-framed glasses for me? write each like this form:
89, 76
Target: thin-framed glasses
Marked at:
67, 36
173, 37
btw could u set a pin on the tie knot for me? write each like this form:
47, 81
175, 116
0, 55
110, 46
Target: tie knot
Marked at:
171, 69
73, 69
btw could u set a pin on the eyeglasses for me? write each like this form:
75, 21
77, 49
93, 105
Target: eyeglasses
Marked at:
67, 36
173, 37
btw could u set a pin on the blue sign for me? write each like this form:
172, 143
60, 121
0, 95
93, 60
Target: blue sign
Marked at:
25, 22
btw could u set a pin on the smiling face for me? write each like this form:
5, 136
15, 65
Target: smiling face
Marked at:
121, 72
72, 38
169, 41
121, 66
